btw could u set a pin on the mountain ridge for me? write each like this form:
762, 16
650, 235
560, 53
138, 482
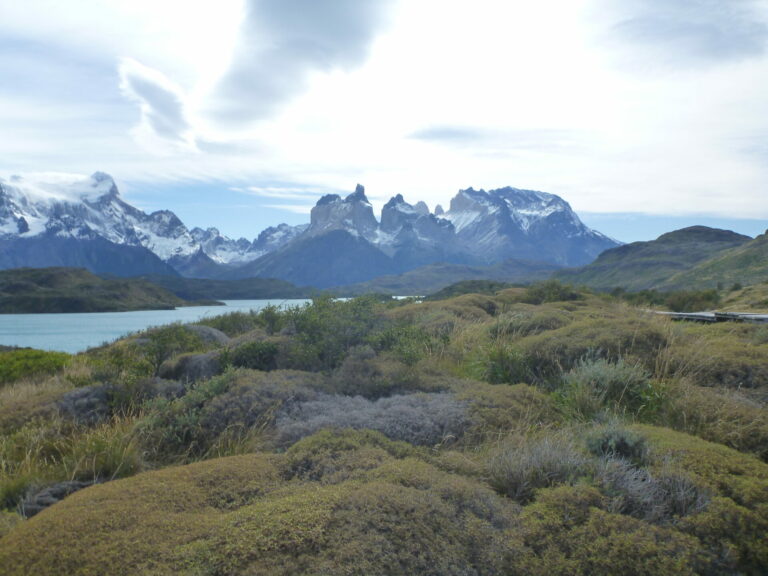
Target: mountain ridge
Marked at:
654, 263
343, 243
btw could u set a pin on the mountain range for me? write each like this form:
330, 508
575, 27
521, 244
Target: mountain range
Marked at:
68, 221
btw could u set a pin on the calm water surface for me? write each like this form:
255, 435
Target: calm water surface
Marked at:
77, 332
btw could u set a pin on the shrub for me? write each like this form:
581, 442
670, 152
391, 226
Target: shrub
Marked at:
633, 337
26, 363
23, 402
595, 384
692, 301
192, 367
497, 410
333, 456
635, 491
170, 430
523, 322
421, 419
570, 534
520, 466
255, 400
237, 323
327, 329
41, 454
549, 291
167, 341
616, 441
408, 343
123, 362
502, 363
260, 355
723, 416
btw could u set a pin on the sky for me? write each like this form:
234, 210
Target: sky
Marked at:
645, 115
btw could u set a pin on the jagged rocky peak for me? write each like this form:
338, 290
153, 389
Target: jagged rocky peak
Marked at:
329, 199
104, 180
421, 207
439, 210
515, 223
354, 214
396, 213
469, 199
358, 195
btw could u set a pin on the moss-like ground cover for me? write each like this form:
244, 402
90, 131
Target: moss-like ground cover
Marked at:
531, 431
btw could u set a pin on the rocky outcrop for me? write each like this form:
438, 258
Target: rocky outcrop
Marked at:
353, 214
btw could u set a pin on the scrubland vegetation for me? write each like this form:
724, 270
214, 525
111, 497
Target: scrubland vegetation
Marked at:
537, 430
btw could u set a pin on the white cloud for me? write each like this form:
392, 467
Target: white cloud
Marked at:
163, 114
281, 43
295, 208
617, 106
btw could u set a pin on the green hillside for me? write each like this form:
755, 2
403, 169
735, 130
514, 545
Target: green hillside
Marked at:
746, 264
645, 265
243, 289
55, 290
532, 431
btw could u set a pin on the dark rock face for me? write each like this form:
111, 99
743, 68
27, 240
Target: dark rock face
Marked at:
22, 225
95, 254
39, 500
323, 260
354, 214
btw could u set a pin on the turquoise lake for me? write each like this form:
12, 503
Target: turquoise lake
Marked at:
77, 332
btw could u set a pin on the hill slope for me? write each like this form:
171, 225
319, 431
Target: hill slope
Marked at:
643, 265
430, 279
55, 290
746, 264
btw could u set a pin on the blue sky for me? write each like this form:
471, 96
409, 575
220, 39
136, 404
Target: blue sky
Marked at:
646, 115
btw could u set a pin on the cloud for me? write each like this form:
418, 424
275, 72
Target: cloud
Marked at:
542, 139
160, 100
294, 208
685, 32
282, 42
281, 192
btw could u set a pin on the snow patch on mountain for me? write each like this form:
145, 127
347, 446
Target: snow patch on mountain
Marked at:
76, 206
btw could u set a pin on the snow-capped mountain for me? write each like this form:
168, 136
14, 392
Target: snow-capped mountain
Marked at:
514, 223
64, 220
480, 228
63, 206
353, 214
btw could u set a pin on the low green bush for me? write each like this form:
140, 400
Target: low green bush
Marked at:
596, 384
550, 291
26, 363
259, 355
569, 533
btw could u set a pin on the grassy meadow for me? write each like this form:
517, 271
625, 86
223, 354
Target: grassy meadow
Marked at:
540, 430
